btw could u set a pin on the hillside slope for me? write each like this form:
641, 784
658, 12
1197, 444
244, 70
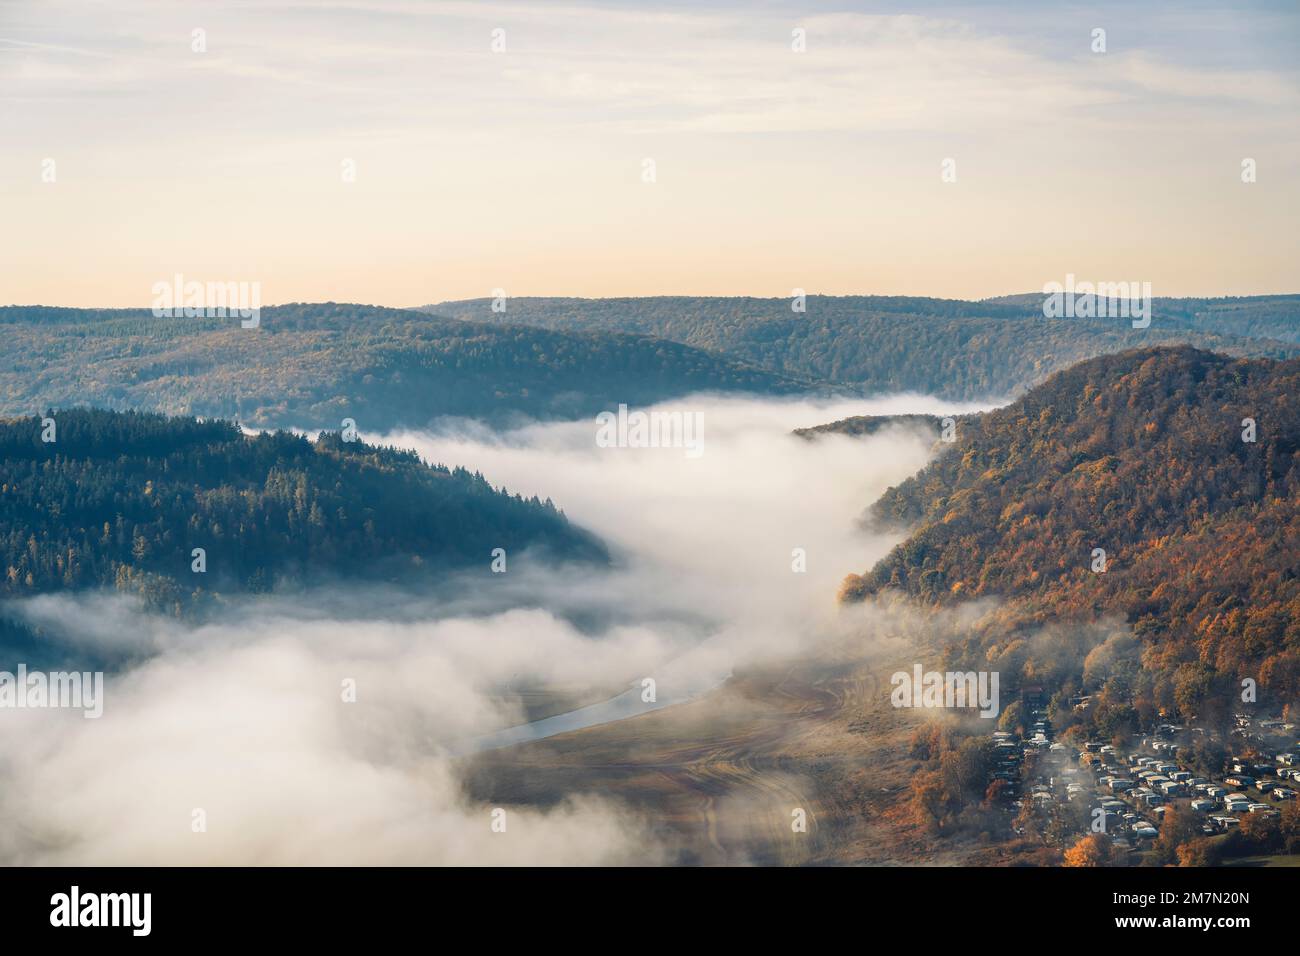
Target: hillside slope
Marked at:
946, 347
311, 366
122, 499
1140, 455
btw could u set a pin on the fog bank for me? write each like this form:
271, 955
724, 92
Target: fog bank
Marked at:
243, 722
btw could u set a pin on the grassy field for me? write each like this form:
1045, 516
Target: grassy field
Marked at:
718, 779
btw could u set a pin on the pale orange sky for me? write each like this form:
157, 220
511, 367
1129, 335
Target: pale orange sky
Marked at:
523, 169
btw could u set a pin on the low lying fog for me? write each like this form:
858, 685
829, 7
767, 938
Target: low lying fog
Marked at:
243, 719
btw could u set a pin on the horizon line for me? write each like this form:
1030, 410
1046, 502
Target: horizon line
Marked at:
994, 299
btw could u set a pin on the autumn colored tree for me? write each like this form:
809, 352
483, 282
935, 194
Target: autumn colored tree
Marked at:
929, 800
1289, 827
1011, 717
1199, 852
1091, 850
956, 779
1138, 456
965, 769
1259, 833
1177, 828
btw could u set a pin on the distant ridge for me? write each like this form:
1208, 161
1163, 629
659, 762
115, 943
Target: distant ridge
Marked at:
312, 365
951, 348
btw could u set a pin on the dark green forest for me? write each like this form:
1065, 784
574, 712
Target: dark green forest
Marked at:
1142, 455
120, 500
859, 426
946, 347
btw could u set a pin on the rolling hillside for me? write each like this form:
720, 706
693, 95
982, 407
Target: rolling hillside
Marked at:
123, 499
311, 366
1140, 455
951, 348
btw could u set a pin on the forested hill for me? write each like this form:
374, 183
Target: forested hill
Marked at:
951, 348
311, 366
1253, 316
860, 426
122, 499
1140, 455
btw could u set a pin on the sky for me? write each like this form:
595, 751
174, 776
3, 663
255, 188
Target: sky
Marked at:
384, 152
